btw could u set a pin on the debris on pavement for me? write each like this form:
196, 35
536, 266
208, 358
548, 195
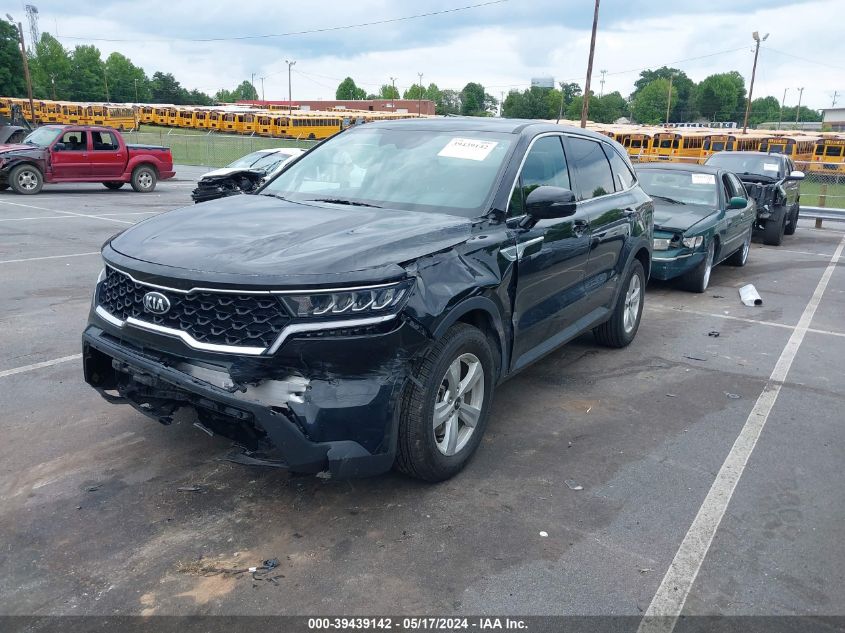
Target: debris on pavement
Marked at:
733, 396
671, 395
544, 534
695, 358
93, 488
645, 570
714, 333
749, 296
189, 489
258, 572
573, 485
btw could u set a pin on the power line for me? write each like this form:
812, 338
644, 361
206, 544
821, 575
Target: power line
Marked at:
803, 59
288, 34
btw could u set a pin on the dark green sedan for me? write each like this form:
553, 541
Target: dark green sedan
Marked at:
702, 216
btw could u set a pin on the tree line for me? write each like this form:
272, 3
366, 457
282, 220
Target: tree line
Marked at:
719, 97
81, 74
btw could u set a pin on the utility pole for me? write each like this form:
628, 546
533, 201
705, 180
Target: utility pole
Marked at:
585, 106
106, 81
290, 98
252, 83
782, 101
601, 91
25, 67
562, 97
419, 97
669, 98
835, 94
393, 94
798, 109
262, 88
501, 103
757, 39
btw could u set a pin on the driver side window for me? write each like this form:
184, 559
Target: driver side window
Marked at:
545, 164
75, 141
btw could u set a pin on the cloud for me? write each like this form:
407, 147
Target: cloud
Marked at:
501, 46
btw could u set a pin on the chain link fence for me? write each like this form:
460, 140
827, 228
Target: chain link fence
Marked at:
208, 149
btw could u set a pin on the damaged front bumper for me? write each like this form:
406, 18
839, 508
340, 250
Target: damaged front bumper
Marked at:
322, 403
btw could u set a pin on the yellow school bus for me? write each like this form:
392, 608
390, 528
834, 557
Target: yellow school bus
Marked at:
145, 114
120, 117
160, 114
185, 117
638, 144
683, 146
51, 112
313, 126
829, 156
798, 148
72, 113
6, 106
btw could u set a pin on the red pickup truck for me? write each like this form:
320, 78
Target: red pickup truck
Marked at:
82, 153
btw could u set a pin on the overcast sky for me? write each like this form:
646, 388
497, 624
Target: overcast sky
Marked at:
501, 45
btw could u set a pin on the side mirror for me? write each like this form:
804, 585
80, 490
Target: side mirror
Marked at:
737, 202
59, 147
547, 202
796, 175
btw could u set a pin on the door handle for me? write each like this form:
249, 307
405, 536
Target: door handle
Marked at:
579, 227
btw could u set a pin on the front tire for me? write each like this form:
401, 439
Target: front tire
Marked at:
114, 186
792, 223
621, 328
445, 409
698, 279
144, 179
26, 180
740, 257
775, 228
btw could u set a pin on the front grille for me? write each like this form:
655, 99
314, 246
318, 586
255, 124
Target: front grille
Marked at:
240, 320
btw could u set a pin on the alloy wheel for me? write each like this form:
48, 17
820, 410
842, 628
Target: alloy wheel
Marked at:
27, 180
457, 407
633, 297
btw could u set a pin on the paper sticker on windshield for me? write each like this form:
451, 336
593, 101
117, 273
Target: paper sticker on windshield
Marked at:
468, 149
770, 166
703, 179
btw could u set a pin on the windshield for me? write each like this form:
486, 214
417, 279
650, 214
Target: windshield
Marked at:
759, 165
261, 160
680, 186
418, 170
43, 136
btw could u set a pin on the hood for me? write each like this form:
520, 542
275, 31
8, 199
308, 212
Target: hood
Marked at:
16, 147
228, 171
679, 217
265, 237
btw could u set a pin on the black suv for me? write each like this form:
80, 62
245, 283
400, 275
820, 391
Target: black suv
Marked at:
360, 310
773, 182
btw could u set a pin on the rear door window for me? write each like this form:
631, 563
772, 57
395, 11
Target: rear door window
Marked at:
622, 176
594, 175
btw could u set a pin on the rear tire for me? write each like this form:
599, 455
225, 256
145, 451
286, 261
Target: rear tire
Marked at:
621, 328
114, 186
740, 257
698, 279
443, 390
144, 179
774, 229
26, 180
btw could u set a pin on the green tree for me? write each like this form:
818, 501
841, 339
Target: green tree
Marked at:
348, 90
649, 104
50, 68
414, 92
610, 107
165, 88
764, 109
721, 97
476, 102
197, 97
387, 91
533, 103
245, 91
683, 89
86, 69
124, 77
807, 114
224, 96
450, 102
433, 93
11, 67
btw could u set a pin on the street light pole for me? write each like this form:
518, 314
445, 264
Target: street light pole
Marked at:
798, 109
585, 106
782, 101
392, 94
757, 39
290, 98
419, 97
135, 81
106, 81
262, 88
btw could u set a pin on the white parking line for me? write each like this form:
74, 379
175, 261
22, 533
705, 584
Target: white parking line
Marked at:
46, 363
81, 215
35, 259
668, 602
75, 217
664, 308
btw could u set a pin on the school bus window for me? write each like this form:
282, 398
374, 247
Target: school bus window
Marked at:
834, 150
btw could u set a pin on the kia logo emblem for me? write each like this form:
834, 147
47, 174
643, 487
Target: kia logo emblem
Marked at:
156, 303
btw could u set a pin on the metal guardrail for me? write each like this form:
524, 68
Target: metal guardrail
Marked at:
820, 214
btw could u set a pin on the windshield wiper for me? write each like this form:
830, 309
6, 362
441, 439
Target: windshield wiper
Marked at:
274, 195
670, 200
344, 201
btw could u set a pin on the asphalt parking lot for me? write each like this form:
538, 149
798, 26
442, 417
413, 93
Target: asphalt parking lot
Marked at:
612, 454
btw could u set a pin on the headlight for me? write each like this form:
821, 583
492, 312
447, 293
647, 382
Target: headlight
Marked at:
344, 303
693, 242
